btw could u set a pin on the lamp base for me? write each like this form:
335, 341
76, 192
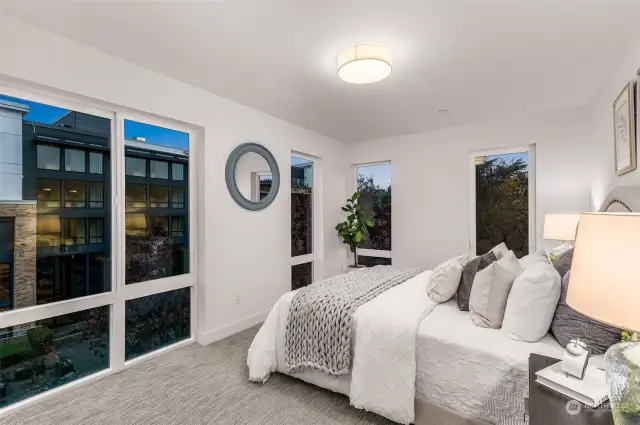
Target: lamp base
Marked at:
622, 368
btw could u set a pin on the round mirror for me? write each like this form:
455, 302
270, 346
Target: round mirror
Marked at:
252, 175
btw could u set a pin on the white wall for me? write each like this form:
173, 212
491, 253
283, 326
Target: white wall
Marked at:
245, 254
601, 121
431, 179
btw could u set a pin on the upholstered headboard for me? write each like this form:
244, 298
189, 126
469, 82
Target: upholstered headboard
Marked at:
622, 199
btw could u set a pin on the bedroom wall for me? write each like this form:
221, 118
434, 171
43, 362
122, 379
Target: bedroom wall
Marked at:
604, 177
244, 254
431, 179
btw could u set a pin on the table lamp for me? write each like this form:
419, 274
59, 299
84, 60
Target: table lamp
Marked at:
605, 285
562, 227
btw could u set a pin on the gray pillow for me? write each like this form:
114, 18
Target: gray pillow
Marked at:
468, 274
568, 324
563, 262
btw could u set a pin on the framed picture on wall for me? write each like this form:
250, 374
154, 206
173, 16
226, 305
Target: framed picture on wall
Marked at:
624, 123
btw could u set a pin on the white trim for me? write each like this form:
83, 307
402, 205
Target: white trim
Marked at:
208, 337
378, 253
531, 170
302, 259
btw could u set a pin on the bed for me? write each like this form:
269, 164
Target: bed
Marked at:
463, 374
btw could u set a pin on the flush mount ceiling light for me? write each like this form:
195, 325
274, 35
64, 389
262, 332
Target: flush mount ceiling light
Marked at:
364, 63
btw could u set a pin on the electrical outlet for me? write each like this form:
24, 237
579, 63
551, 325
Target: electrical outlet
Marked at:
237, 299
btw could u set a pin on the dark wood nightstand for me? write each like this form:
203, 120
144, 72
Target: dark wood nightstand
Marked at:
548, 407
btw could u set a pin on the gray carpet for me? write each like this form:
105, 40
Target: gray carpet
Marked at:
195, 385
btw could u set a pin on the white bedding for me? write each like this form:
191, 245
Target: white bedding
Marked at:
479, 372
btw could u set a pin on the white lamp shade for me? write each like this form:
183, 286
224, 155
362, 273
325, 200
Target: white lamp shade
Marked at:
561, 226
364, 63
605, 281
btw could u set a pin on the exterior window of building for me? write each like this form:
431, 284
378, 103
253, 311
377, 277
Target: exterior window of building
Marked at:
74, 194
158, 169
177, 197
48, 157
159, 196
48, 193
159, 226
136, 195
177, 227
48, 232
74, 231
74, 160
96, 230
135, 167
177, 172
5, 285
96, 195
95, 163
374, 185
136, 225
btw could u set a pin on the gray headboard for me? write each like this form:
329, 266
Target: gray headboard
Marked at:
622, 199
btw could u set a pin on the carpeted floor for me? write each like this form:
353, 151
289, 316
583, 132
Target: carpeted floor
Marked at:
195, 385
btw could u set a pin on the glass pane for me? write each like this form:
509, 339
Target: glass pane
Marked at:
158, 169
39, 356
265, 185
5, 288
74, 194
74, 231
74, 160
177, 197
157, 321
98, 273
48, 195
157, 241
53, 262
96, 195
374, 185
96, 230
159, 196
48, 157
301, 275
366, 261
301, 206
6, 237
135, 167
95, 163
502, 202
177, 171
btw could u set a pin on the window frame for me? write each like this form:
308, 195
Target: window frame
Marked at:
531, 170
120, 293
365, 252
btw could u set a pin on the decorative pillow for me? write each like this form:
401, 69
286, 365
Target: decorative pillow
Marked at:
468, 274
489, 295
563, 262
511, 262
500, 250
532, 303
445, 278
569, 324
538, 257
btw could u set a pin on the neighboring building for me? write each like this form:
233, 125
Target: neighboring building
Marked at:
55, 209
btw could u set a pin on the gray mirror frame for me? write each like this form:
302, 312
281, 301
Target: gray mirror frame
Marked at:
230, 176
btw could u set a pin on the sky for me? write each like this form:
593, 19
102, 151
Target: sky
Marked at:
381, 174
47, 114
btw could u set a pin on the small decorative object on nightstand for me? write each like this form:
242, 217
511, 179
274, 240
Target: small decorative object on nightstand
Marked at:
576, 357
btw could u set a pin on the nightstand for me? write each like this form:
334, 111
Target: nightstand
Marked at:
548, 407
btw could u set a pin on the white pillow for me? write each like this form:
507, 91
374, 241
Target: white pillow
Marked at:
510, 262
532, 303
489, 295
500, 250
538, 257
444, 279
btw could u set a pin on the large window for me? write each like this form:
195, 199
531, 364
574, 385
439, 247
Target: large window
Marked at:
502, 200
374, 185
66, 308
302, 219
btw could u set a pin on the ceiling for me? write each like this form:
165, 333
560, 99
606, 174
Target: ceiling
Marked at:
475, 58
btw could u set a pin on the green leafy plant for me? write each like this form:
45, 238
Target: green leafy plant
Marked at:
41, 340
355, 229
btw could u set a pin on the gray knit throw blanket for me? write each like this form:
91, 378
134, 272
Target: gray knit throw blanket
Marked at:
318, 333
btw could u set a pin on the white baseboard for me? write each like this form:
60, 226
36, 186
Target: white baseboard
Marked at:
207, 337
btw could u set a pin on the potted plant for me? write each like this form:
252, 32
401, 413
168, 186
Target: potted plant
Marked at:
355, 228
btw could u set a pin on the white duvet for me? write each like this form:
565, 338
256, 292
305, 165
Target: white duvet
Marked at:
384, 330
